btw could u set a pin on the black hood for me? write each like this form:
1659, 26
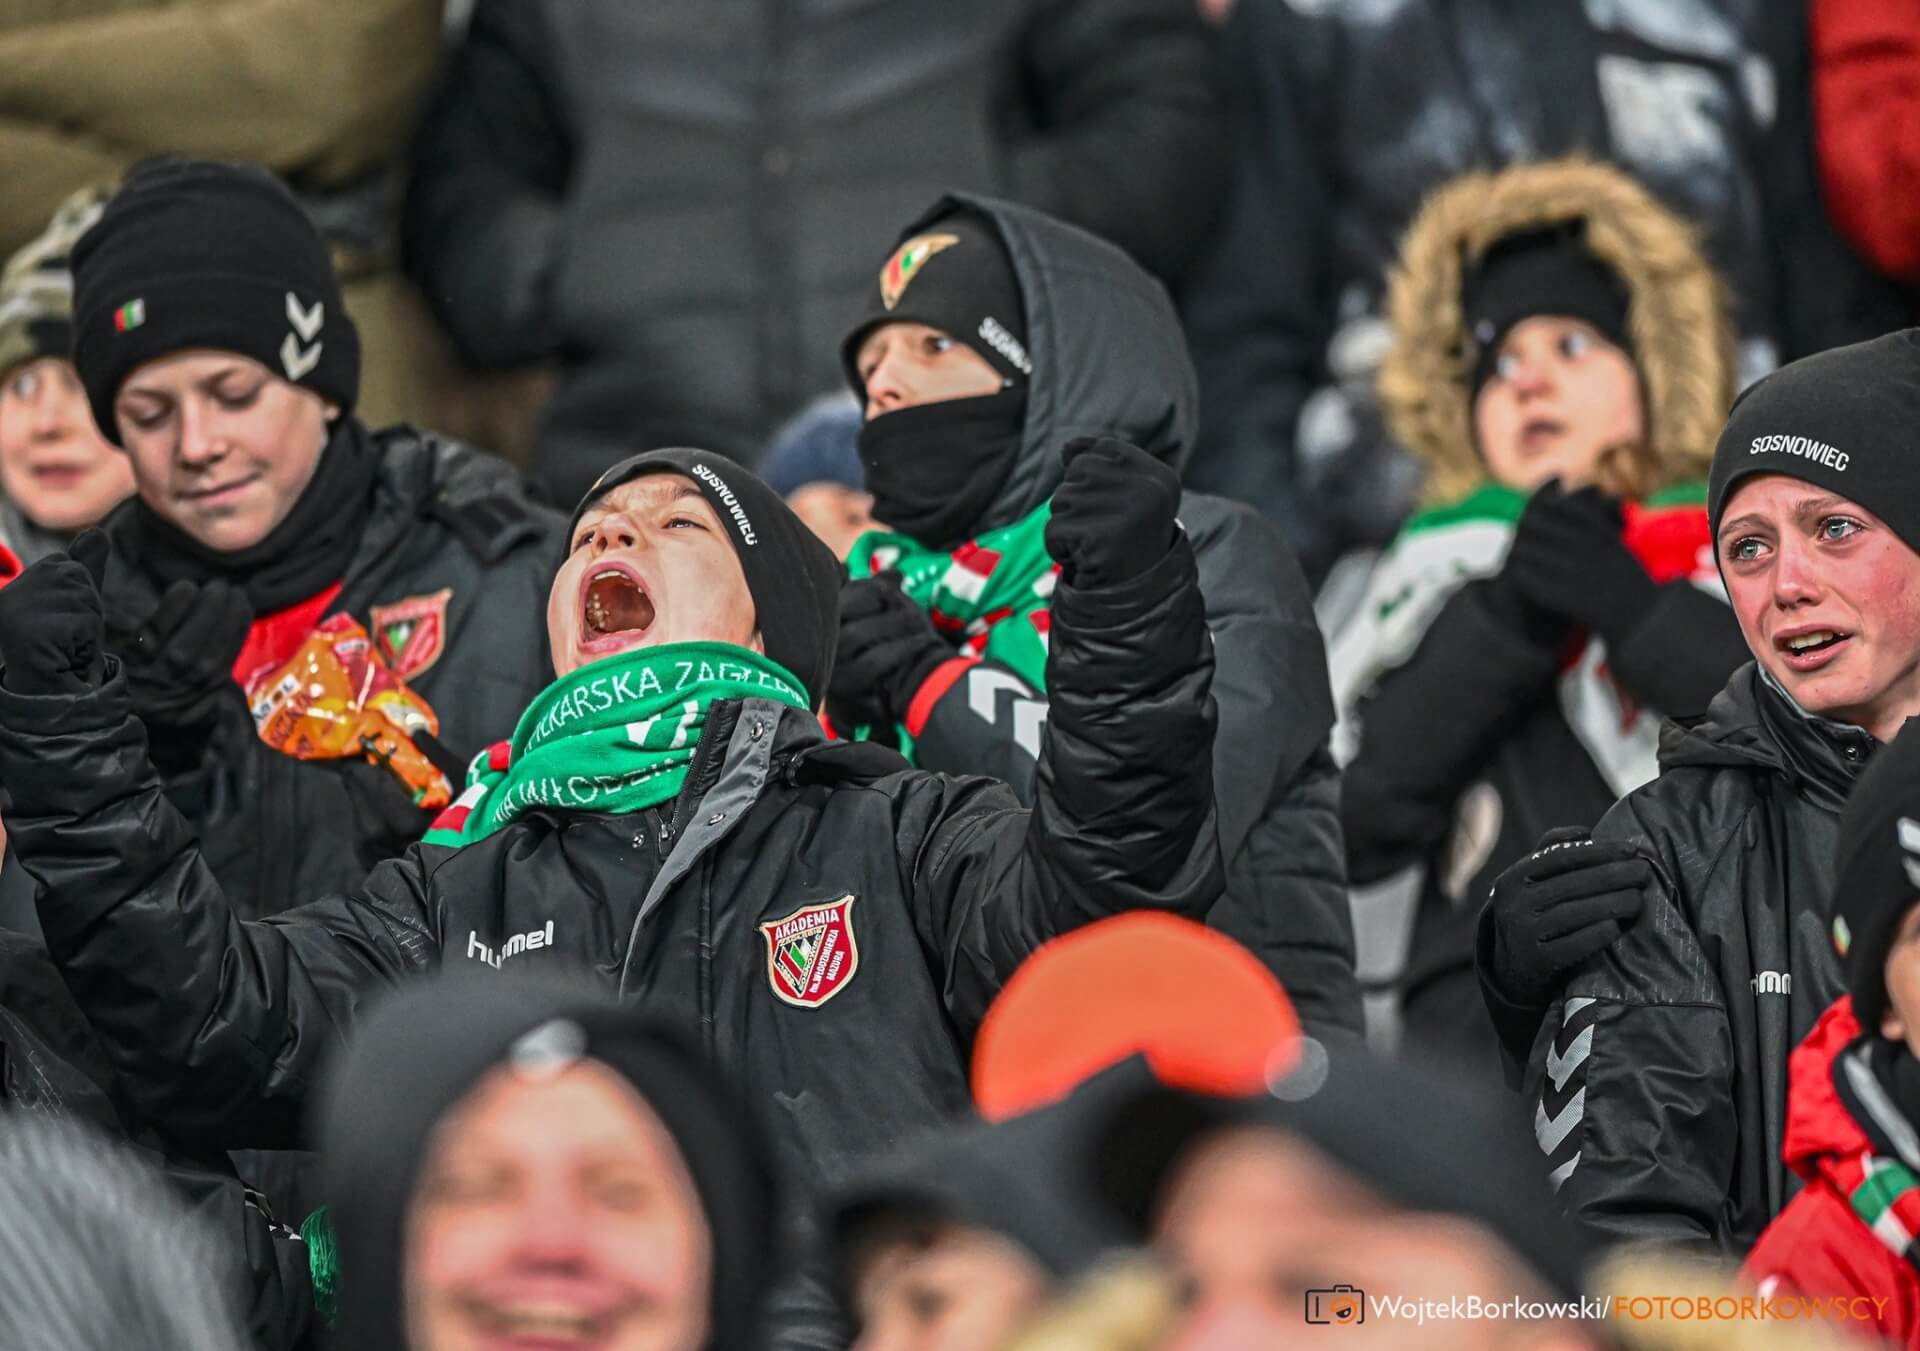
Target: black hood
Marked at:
422, 1051
1018, 1179
1109, 356
1752, 724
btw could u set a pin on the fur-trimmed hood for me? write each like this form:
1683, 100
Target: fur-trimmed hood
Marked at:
1677, 320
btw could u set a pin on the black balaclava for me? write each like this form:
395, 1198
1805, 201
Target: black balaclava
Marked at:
425, 1049
934, 469
794, 578
199, 254
1539, 272
302, 556
1841, 420
1878, 878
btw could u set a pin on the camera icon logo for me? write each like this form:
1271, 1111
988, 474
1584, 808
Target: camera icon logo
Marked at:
1342, 1304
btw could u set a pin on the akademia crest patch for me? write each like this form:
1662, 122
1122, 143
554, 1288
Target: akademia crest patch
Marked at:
412, 633
812, 954
907, 260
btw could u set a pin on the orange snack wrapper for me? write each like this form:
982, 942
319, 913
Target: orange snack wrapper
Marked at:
337, 698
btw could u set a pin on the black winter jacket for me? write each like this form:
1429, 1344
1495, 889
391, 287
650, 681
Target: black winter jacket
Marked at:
446, 518
216, 1025
1661, 1094
1466, 758
1352, 113
683, 203
1109, 359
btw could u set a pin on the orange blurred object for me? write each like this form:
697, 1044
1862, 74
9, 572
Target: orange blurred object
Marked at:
337, 698
1208, 1016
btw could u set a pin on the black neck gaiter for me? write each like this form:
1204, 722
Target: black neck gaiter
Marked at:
933, 470
301, 557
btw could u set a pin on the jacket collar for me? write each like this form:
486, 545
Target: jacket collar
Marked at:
1754, 724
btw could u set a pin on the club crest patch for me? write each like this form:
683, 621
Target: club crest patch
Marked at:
907, 260
812, 954
412, 633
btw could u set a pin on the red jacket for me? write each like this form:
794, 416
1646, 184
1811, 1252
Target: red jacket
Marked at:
9, 565
1866, 108
1820, 1245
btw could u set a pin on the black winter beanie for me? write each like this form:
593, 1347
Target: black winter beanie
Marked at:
953, 273
794, 578
1539, 272
1843, 420
197, 253
425, 1048
1877, 878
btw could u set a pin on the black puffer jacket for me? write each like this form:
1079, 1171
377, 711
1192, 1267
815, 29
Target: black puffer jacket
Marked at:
52, 1068
1109, 360
1661, 1094
445, 518
215, 1025
683, 202
1353, 113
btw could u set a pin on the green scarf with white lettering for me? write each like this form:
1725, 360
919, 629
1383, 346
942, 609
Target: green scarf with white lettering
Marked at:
614, 737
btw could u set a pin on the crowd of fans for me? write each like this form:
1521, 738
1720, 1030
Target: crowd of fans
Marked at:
730, 675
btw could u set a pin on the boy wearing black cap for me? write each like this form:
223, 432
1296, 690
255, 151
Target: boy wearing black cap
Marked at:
994, 336
1679, 1032
1561, 363
215, 352
666, 821
1853, 1110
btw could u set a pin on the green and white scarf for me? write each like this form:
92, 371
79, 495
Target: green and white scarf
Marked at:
616, 736
1440, 550
992, 596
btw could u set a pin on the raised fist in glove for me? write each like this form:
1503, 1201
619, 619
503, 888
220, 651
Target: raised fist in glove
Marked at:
179, 654
888, 648
1114, 514
1558, 906
52, 629
1568, 559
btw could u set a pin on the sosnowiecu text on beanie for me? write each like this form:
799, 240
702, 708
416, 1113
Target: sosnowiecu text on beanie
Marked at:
197, 253
1843, 420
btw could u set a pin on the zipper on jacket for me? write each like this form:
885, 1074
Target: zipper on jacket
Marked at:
707, 757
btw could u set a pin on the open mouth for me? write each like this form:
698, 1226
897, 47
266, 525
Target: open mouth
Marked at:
1541, 428
542, 1325
1810, 648
616, 605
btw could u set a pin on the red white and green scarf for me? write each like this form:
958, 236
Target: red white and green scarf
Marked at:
1438, 551
614, 737
992, 596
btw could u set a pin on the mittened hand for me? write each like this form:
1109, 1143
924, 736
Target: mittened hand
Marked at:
1115, 514
1569, 899
1568, 559
179, 655
888, 648
52, 627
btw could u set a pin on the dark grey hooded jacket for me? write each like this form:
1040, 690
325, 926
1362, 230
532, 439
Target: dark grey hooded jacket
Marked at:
1109, 359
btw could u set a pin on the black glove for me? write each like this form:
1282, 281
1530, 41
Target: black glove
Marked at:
179, 655
1568, 559
1558, 906
53, 632
1115, 514
888, 648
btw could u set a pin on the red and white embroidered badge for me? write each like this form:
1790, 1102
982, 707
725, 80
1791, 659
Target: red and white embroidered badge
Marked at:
811, 954
412, 633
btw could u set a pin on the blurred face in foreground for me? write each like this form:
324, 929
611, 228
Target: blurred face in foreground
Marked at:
651, 563
54, 464
1259, 1228
1562, 402
221, 446
904, 365
556, 1212
1828, 599
959, 1289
